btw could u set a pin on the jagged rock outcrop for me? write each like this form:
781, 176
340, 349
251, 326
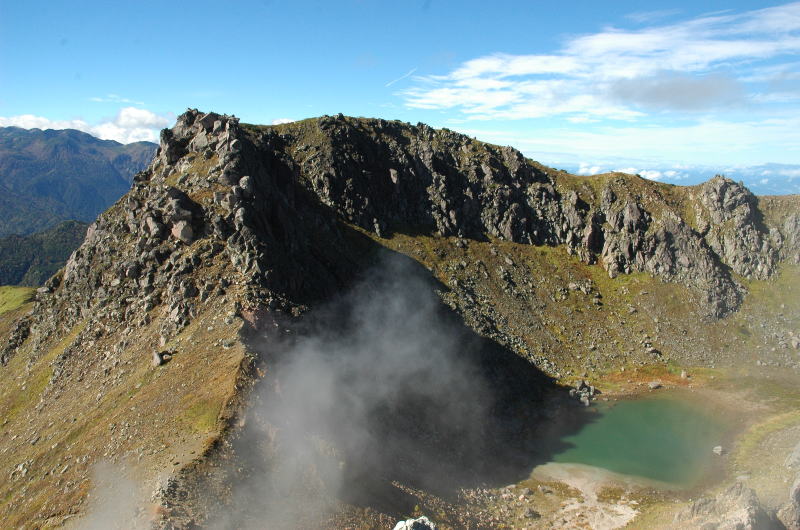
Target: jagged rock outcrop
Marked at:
737, 508
732, 225
388, 176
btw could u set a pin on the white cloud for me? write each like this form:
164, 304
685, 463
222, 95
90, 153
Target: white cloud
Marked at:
130, 125
707, 141
618, 74
652, 174
29, 121
586, 169
671, 90
581, 119
280, 121
115, 98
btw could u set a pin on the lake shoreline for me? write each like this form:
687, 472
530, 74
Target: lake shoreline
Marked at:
744, 400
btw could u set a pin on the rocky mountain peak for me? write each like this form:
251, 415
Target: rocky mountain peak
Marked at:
257, 203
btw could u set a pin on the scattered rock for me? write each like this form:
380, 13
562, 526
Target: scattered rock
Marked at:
653, 385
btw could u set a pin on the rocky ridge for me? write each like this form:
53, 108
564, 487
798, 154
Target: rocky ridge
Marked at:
387, 177
217, 187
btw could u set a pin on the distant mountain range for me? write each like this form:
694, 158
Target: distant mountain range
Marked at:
47, 177
31, 260
761, 179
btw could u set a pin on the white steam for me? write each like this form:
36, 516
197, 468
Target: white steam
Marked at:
384, 384
373, 388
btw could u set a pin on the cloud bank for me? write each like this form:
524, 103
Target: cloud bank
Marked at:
622, 74
718, 89
764, 179
131, 124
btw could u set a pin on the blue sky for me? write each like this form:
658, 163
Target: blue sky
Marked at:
675, 92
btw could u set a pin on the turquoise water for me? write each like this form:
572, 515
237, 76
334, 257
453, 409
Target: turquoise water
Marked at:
661, 438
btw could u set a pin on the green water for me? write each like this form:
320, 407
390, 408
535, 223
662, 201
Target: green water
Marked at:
661, 438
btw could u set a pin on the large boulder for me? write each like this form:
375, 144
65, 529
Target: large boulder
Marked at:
737, 508
421, 523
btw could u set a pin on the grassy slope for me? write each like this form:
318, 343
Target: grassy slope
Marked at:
155, 417
12, 298
578, 335
117, 407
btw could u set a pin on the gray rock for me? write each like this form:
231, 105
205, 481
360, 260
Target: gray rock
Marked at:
153, 227
183, 231
737, 508
420, 523
246, 185
158, 360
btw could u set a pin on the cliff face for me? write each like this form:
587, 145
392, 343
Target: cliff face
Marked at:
234, 229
